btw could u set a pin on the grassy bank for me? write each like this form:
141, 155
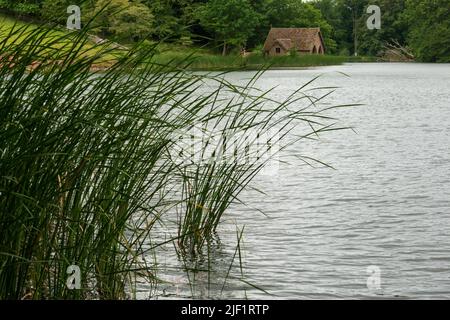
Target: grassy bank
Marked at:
8, 22
253, 62
16, 32
207, 61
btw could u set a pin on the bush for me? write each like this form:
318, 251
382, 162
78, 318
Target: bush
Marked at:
123, 20
5, 4
258, 50
293, 52
27, 9
56, 10
21, 8
344, 52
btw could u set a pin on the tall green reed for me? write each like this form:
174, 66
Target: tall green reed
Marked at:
88, 159
82, 164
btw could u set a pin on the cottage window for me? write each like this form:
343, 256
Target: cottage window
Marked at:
278, 50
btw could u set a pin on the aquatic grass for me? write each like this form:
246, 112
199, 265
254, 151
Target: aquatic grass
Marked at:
82, 164
88, 160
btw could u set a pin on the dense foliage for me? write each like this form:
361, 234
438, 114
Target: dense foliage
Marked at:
420, 25
429, 22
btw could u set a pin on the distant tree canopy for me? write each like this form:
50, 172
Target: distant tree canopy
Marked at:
429, 22
421, 25
394, 28
229, 21
122, 19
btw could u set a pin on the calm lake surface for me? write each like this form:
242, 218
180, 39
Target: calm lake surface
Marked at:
386, 204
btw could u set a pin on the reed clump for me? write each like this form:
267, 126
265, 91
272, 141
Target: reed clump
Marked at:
88, 159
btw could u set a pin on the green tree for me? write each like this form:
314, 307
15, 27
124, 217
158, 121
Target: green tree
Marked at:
167, 21
429, 24
393, 28
125, 20
345, 18
56, 10
22, 7
231, 22
330, 12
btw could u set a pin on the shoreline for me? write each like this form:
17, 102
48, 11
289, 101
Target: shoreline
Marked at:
253, 62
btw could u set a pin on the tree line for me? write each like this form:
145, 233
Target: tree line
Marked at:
229, 25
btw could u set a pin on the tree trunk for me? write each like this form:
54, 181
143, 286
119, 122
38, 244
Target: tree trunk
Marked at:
224, 51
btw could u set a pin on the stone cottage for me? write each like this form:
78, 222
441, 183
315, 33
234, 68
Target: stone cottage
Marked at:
281, 41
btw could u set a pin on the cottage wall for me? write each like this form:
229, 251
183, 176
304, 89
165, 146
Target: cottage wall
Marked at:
318, 44
273, 51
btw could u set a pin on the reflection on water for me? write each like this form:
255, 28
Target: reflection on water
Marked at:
387, 204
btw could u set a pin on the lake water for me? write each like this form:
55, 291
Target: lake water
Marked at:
386, 206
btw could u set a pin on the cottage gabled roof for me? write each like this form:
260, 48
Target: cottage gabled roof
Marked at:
301, 38
286, 44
